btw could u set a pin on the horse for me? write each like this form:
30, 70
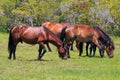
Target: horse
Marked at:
34, 35
92, 45
84, 33
56, 28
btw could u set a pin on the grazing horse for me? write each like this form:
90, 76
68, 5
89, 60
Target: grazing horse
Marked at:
93, 46
56, 28
84, 33
34, 35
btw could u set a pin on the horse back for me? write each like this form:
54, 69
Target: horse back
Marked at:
49, 25
56, 28
81, 32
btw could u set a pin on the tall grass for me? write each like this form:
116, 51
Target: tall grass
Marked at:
27, 67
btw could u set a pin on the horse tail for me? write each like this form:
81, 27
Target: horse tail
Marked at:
10, 42
62, 34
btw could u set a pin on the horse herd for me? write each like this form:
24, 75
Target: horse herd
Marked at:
61, 35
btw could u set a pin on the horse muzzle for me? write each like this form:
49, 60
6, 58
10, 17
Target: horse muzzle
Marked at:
110, 56
64, 58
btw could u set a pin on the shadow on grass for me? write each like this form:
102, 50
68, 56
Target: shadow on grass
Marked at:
42, 60
91, 57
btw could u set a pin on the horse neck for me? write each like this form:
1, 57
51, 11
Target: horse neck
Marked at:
52, 38
104, 36
55, 41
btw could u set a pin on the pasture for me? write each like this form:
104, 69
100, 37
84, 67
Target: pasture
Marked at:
27, 67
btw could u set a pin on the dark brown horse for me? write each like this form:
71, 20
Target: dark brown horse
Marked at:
56, 28
84, 33
34, 35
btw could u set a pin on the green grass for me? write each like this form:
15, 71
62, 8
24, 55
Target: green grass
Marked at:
27, 67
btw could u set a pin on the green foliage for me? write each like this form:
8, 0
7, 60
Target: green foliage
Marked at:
103, 13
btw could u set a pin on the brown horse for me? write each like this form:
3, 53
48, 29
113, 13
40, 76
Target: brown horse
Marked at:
93, 46
84, 33
34, 35
56, 28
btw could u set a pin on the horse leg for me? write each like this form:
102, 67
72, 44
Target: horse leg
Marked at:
14, 49
101, 49
87, 45
91, 48
48, 47
94, 49
100, 46
68, 53
10, 55
44, 51
80, 48
72, 46
39, 50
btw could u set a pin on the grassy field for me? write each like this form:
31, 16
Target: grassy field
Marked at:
27, 67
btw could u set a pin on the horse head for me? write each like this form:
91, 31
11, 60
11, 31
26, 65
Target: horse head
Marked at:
110, 48
62, 51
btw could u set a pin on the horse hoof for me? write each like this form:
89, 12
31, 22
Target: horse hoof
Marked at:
9, 58
87, 55
14, 58
68, 56
102, 56
50, 50
80, 54
65, 58
39, 59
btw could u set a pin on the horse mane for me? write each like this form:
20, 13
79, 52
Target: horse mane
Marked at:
106, 39
62, 34
49, 31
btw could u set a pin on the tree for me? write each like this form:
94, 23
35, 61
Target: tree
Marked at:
103, 13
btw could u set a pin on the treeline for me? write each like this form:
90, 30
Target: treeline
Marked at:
103, 13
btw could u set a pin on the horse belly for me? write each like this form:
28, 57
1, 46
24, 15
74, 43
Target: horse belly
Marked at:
30, 36
84, 39
29, 41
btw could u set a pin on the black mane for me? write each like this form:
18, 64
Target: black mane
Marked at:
106, 39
